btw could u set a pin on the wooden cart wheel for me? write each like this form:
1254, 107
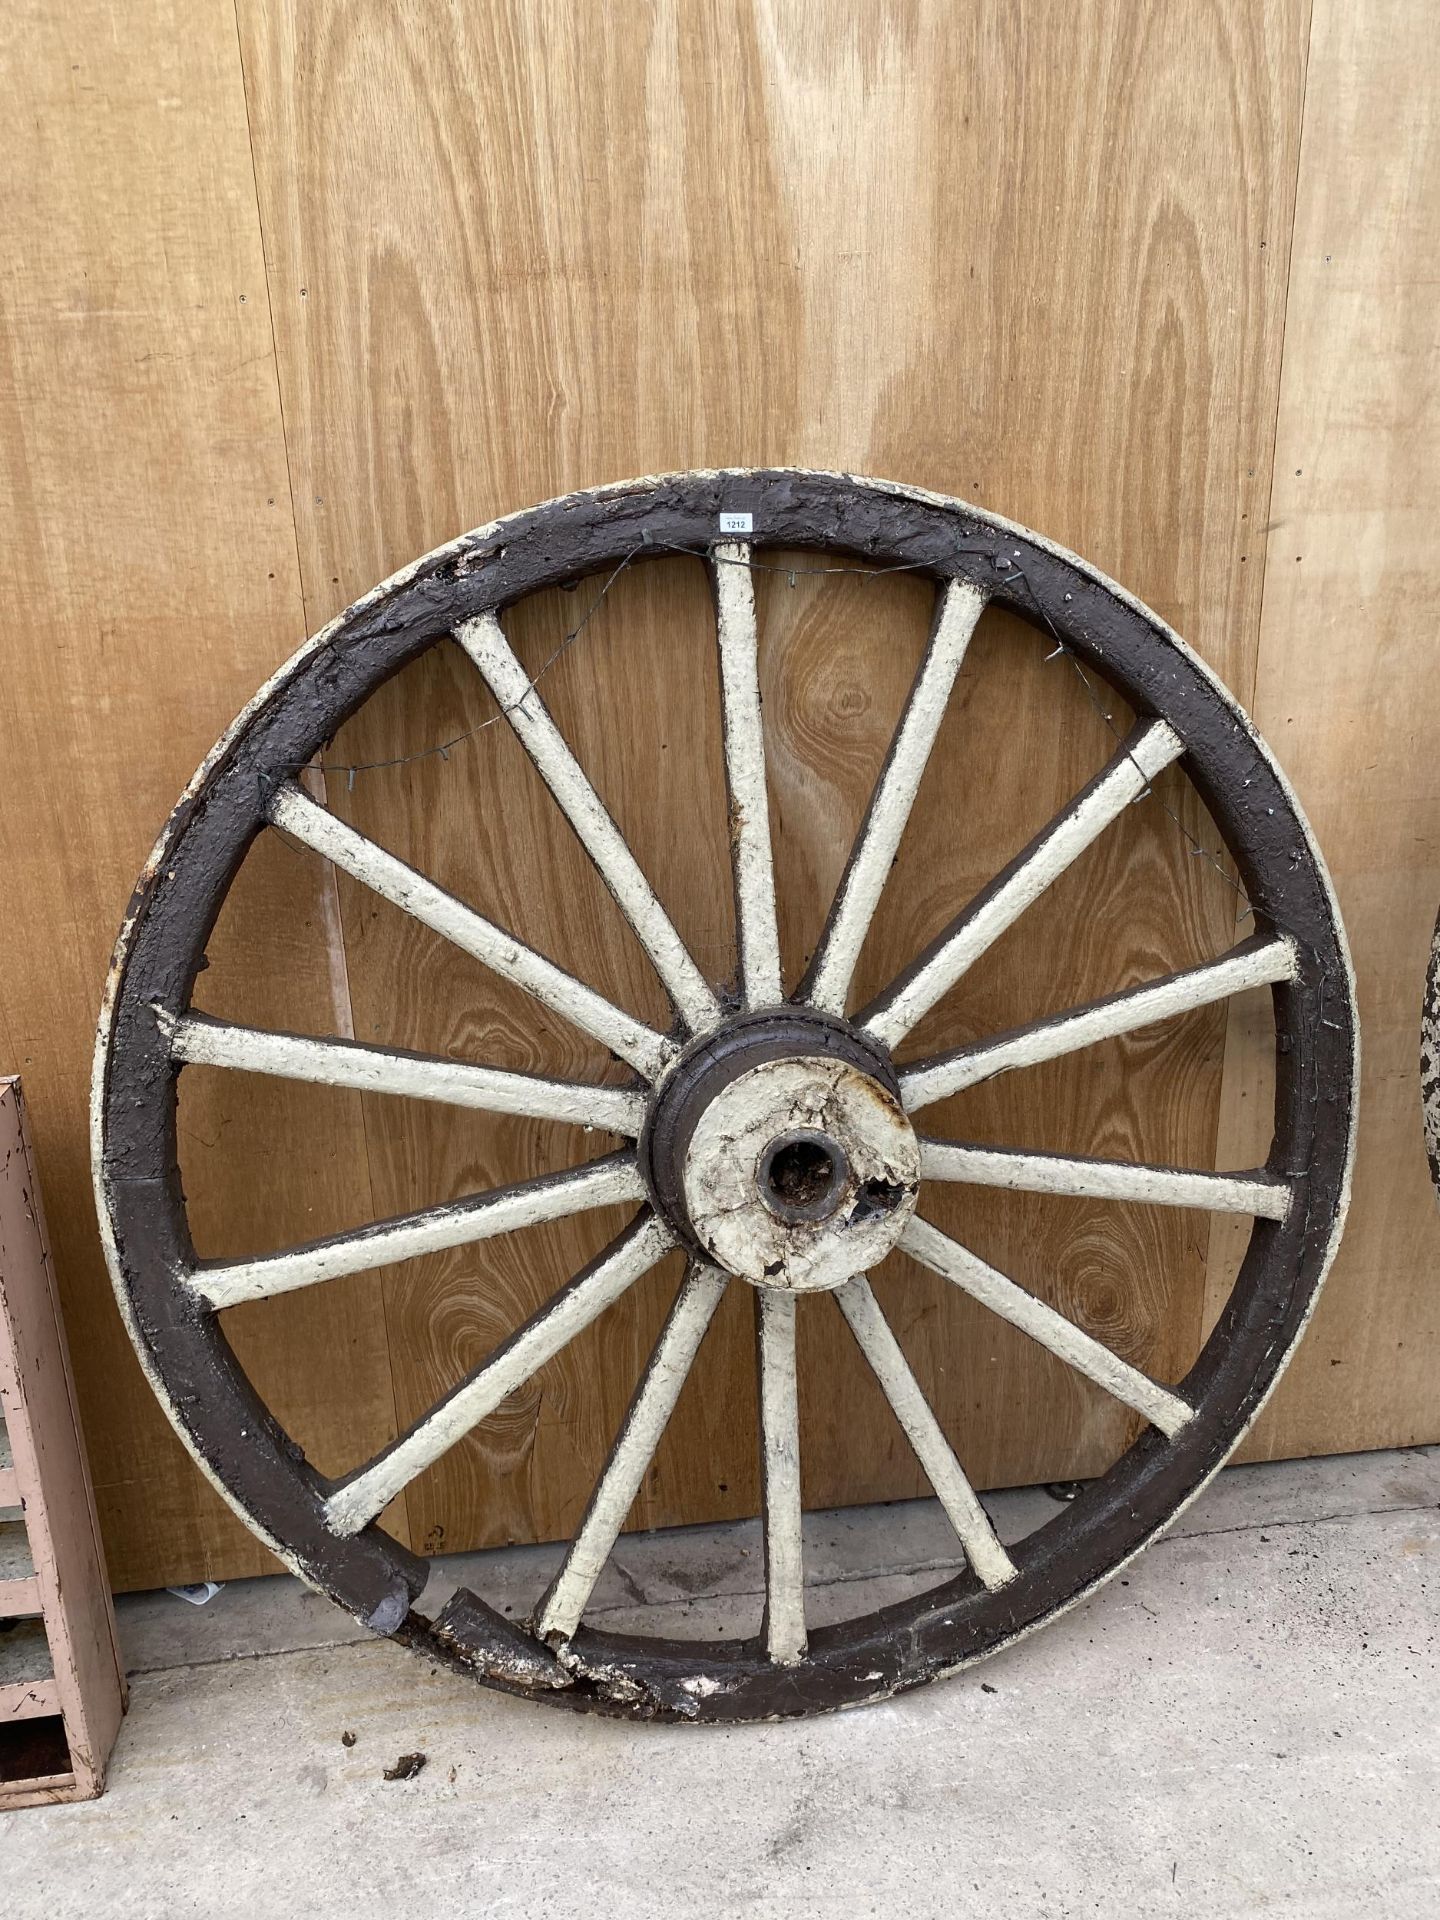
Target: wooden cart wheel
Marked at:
777, 1141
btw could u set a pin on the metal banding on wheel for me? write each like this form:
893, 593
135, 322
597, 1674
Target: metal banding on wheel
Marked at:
804, 1071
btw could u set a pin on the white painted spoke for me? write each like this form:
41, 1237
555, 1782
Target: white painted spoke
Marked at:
1257, 963
369, 1492
832, 969
971, 1522
347, 1063
755, 920
305, 820
527, 713
1148, 750
1258, 1193
1052, 1330
460, 1223
785, 1639
564, 1605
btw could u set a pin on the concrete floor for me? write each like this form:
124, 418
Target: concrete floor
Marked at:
1249, 1724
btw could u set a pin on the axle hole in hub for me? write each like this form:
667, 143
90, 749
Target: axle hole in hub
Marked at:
802, 1176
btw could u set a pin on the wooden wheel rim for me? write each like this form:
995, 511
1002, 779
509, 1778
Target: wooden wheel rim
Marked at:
233, 797
1430, 1060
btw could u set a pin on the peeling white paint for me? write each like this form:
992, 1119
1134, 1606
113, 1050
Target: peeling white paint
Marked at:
1052, 1330
785, 1638
879, 838
298, 815
466, 554
1144, 1006
701, 1684
972, 1525
722, 1164
981, 924
750, 851
527, 713
339, 1063
1256, 1193
563, 1607
457, 1224
371, 1491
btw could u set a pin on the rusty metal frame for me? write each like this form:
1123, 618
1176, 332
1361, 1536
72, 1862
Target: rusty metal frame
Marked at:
324, 1530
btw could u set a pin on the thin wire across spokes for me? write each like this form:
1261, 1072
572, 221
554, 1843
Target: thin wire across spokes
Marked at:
1150, 747
598, 834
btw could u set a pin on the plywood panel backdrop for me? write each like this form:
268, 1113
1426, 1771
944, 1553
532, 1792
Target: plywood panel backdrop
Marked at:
293, 305
151, 583
1347, 687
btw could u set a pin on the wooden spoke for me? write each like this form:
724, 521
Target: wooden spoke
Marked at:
877, 1342
366, 1493
755, 918
1052, 1330
564, 1605
1150, 748
1260, 962
459, 1223
827, 984
200, 1041
527, 713
1258, 1193
307, 821
784, 1630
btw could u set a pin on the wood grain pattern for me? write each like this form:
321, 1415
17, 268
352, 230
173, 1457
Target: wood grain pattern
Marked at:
1130, 909
153, 585
565, 250
1346, 686
287, 311
494, 835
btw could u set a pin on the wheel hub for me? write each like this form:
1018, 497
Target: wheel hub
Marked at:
779, 1150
